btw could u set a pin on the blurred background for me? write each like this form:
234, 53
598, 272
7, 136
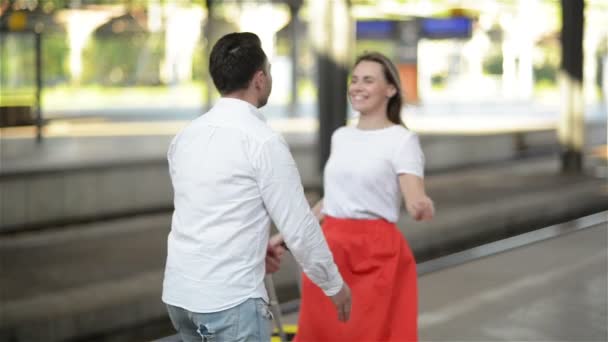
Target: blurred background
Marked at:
509, 97
146, 60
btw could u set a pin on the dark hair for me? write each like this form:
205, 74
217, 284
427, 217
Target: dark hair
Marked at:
234, 59
391, 75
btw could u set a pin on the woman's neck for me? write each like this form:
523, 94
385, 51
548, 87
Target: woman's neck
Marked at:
371, 122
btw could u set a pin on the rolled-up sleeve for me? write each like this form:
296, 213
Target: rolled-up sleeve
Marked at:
283, 196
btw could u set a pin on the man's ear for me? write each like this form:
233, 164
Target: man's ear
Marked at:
257, 79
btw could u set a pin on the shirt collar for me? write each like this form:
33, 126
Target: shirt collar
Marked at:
238, 103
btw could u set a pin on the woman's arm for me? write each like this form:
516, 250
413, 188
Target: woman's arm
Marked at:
418, 204
317, 210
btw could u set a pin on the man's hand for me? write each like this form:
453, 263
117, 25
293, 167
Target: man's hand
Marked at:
274, 253
422, 209
342, 301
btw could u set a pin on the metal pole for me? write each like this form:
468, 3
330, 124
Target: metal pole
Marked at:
275, 307
571, 130
294, 8
208, 38
332, 40
38, 38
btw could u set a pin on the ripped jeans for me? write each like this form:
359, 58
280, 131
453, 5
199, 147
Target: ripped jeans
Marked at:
249, 321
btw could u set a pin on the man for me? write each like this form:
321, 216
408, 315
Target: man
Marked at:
231, 175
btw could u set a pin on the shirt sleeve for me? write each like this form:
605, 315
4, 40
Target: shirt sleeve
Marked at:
409, 157
283, 196
170, 153
334, 137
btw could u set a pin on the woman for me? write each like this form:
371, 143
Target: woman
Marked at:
370, 168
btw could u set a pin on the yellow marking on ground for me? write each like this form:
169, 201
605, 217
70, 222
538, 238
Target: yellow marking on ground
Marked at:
290, 331
288, 328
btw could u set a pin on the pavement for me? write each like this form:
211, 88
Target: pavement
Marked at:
100, 280
552, 290
509, 290
89, 281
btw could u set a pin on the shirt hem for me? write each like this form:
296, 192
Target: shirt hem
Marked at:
222, 308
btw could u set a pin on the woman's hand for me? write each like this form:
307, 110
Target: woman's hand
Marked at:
418, 204
274, 253
317, 210
422, 209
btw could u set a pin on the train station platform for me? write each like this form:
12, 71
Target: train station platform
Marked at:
85, 215
546, 285
103, 279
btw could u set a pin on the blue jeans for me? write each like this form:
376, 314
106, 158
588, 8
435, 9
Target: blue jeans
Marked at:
249, 321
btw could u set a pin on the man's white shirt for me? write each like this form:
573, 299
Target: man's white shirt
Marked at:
231, 176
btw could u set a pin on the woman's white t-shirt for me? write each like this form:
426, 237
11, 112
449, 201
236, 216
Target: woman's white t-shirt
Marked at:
361, 178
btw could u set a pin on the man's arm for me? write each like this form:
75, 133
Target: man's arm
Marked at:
283, 196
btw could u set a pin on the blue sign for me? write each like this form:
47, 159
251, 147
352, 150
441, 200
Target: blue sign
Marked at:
377, 29
440, 28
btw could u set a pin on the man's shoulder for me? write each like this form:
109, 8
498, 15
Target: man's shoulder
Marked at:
242, 122
254, 128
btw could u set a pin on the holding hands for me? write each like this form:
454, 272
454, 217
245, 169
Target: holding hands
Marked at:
274, 253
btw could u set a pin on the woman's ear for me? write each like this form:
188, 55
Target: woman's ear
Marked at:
391, 91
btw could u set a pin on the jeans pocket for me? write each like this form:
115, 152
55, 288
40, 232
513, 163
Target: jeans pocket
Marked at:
264, 310
206, 334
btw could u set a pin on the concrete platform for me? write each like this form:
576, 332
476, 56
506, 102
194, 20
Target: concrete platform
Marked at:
87, 281
553, 290
547, 285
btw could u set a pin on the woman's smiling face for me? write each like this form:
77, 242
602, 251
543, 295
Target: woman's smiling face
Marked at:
369, 90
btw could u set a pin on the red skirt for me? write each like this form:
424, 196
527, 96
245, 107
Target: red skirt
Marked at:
379, 267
